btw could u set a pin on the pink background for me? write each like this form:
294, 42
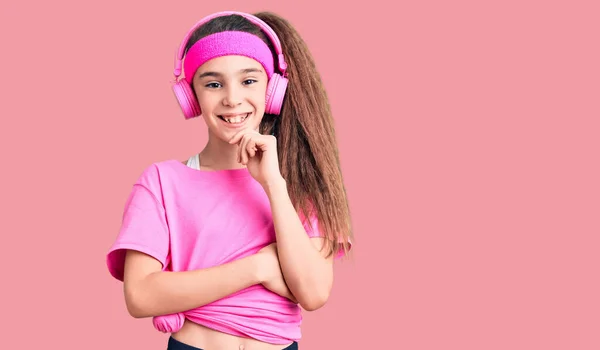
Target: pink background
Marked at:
469, 138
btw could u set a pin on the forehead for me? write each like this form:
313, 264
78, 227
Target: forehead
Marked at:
229, 65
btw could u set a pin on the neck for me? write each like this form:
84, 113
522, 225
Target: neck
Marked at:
219, 155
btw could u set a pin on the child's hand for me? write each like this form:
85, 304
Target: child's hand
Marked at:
270, 273
259, 153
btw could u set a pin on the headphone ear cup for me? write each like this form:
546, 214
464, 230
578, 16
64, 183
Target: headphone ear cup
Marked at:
275, 94
186, 99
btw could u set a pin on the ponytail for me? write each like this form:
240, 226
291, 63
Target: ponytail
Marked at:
307, 145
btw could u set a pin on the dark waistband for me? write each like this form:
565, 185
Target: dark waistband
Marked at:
175, 344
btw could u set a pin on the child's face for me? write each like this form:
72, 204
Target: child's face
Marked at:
231, 91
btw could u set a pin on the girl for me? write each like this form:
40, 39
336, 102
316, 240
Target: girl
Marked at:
225, 249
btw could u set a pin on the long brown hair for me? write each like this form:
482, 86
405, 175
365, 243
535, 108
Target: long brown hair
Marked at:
307, 145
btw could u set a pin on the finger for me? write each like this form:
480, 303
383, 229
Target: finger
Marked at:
242, 150
264, 142
240, 134
241, 154
251, 147
237, 136
253, 144
245, 139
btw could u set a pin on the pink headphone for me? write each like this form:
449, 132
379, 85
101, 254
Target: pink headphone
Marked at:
276, 87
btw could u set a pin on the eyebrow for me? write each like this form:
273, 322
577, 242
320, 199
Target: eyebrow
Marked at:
241, 71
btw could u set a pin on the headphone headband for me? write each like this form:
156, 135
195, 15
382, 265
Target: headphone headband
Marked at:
253, 19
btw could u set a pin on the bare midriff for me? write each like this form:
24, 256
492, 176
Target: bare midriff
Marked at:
208, 339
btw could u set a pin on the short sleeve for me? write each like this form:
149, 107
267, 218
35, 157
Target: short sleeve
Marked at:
313, 230
143, 228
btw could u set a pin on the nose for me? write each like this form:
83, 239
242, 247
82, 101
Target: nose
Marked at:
233, 96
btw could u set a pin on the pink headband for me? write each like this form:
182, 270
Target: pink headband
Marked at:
227, 43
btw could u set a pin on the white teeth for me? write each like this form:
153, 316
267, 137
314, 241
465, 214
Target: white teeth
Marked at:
235, 120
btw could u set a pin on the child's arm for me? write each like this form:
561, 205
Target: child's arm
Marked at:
152, 292
308, 274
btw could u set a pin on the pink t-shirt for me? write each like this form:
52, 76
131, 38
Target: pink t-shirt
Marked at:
190, 219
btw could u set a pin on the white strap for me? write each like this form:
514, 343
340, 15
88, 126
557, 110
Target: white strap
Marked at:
194, 161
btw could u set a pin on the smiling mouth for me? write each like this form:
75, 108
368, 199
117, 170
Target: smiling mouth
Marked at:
234, 119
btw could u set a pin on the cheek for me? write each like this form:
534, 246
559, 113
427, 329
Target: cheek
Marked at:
207, 101
259, 98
